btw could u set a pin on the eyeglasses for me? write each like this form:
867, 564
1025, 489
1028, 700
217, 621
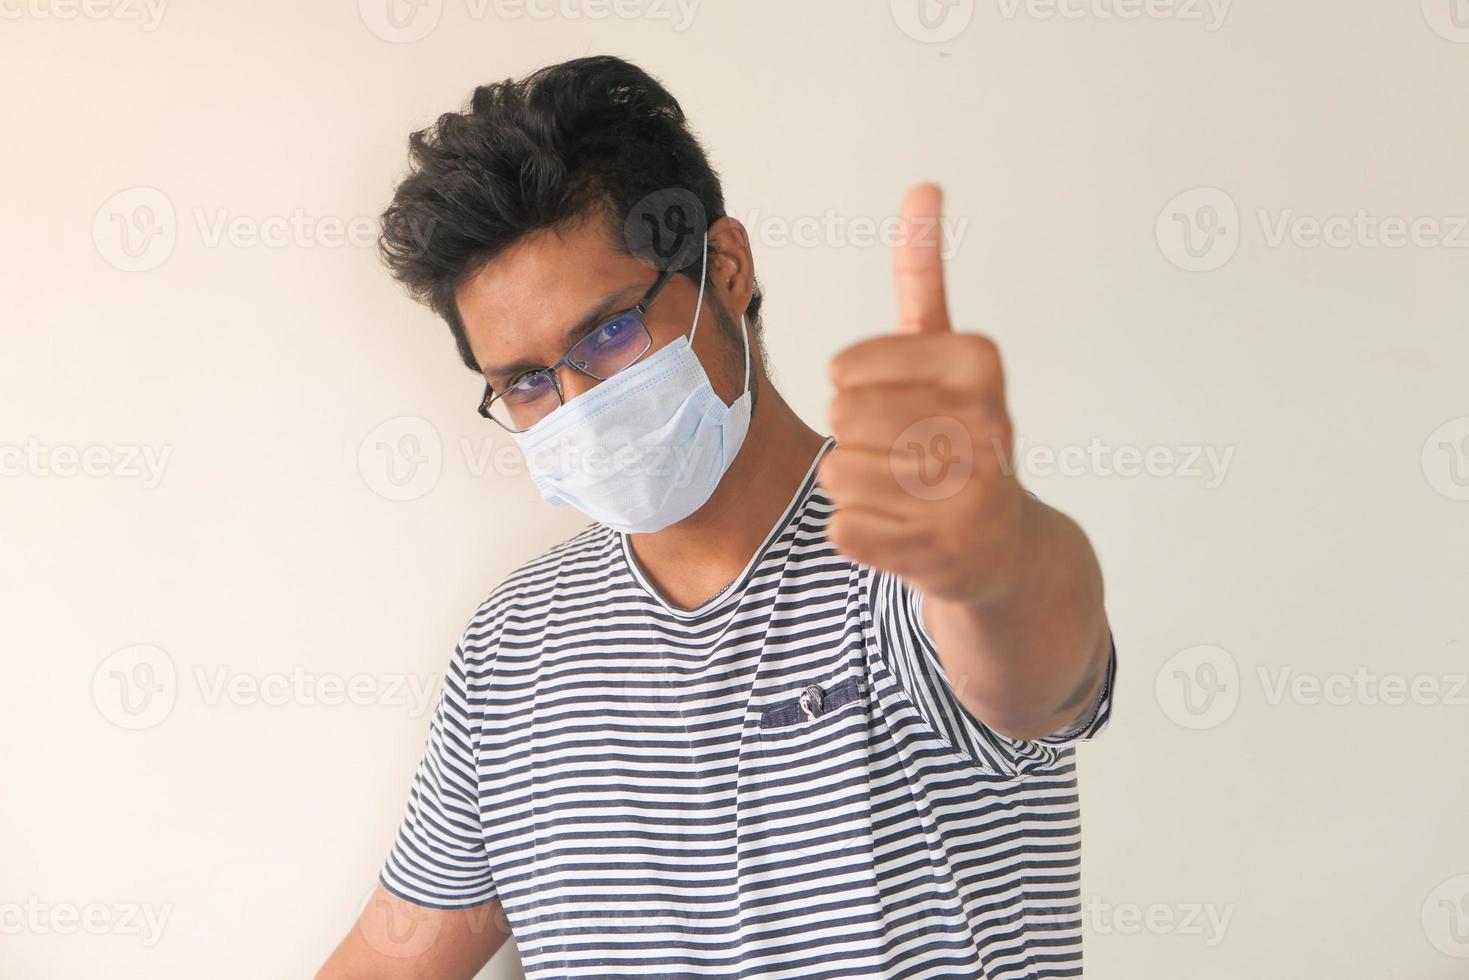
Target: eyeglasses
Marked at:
615, 345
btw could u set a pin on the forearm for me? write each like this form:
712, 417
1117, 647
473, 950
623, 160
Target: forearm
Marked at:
1030, 658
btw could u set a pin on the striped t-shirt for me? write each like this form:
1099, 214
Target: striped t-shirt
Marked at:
778, 783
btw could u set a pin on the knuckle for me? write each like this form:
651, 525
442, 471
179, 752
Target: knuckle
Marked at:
841, 413
834, 474
978, 355
838, 533
839, 368
849, 362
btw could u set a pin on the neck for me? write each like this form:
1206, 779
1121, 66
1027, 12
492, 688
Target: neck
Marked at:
692, 560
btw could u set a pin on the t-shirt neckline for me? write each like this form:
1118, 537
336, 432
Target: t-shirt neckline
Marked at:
736, 587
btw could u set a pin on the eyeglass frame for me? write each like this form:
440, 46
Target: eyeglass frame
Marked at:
641, 309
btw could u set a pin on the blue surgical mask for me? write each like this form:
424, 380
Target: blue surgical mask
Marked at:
648, 446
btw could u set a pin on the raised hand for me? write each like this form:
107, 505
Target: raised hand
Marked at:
921, 475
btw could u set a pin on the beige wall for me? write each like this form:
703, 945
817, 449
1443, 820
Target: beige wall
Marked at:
197, 430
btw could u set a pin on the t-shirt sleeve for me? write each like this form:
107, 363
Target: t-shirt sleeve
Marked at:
910, 654
438, 859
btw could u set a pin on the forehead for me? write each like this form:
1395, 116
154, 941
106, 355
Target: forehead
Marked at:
521, 304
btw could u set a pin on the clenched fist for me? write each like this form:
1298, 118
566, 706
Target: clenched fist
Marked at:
921, 474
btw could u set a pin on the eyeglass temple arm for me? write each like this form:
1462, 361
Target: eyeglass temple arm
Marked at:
654, 289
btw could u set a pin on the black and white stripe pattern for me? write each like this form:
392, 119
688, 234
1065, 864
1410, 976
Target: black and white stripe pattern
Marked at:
643, 790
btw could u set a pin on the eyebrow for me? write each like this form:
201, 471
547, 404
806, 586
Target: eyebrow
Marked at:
593, 318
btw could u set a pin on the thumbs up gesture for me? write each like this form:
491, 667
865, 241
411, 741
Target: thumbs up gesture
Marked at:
921, 474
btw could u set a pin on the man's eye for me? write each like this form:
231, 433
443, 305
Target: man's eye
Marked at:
526, 386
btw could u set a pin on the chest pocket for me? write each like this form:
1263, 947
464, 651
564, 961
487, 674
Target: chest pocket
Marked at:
816, 726
811, 706
812, 799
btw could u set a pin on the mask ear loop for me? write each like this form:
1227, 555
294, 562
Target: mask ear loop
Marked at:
699, 305
745, 332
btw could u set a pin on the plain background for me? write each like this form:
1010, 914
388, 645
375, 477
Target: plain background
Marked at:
218, 667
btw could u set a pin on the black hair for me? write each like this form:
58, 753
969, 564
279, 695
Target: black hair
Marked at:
570, 140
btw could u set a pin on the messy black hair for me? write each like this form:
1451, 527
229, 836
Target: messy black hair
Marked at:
564, 143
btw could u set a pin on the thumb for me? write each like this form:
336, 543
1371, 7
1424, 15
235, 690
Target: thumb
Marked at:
918, 267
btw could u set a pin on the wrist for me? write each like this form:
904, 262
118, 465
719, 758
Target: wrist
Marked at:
1008, 564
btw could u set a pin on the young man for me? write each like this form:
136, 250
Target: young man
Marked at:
791, 706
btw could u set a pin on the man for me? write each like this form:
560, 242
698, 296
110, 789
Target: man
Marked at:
791, 706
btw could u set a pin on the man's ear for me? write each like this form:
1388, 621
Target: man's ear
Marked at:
731, 267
